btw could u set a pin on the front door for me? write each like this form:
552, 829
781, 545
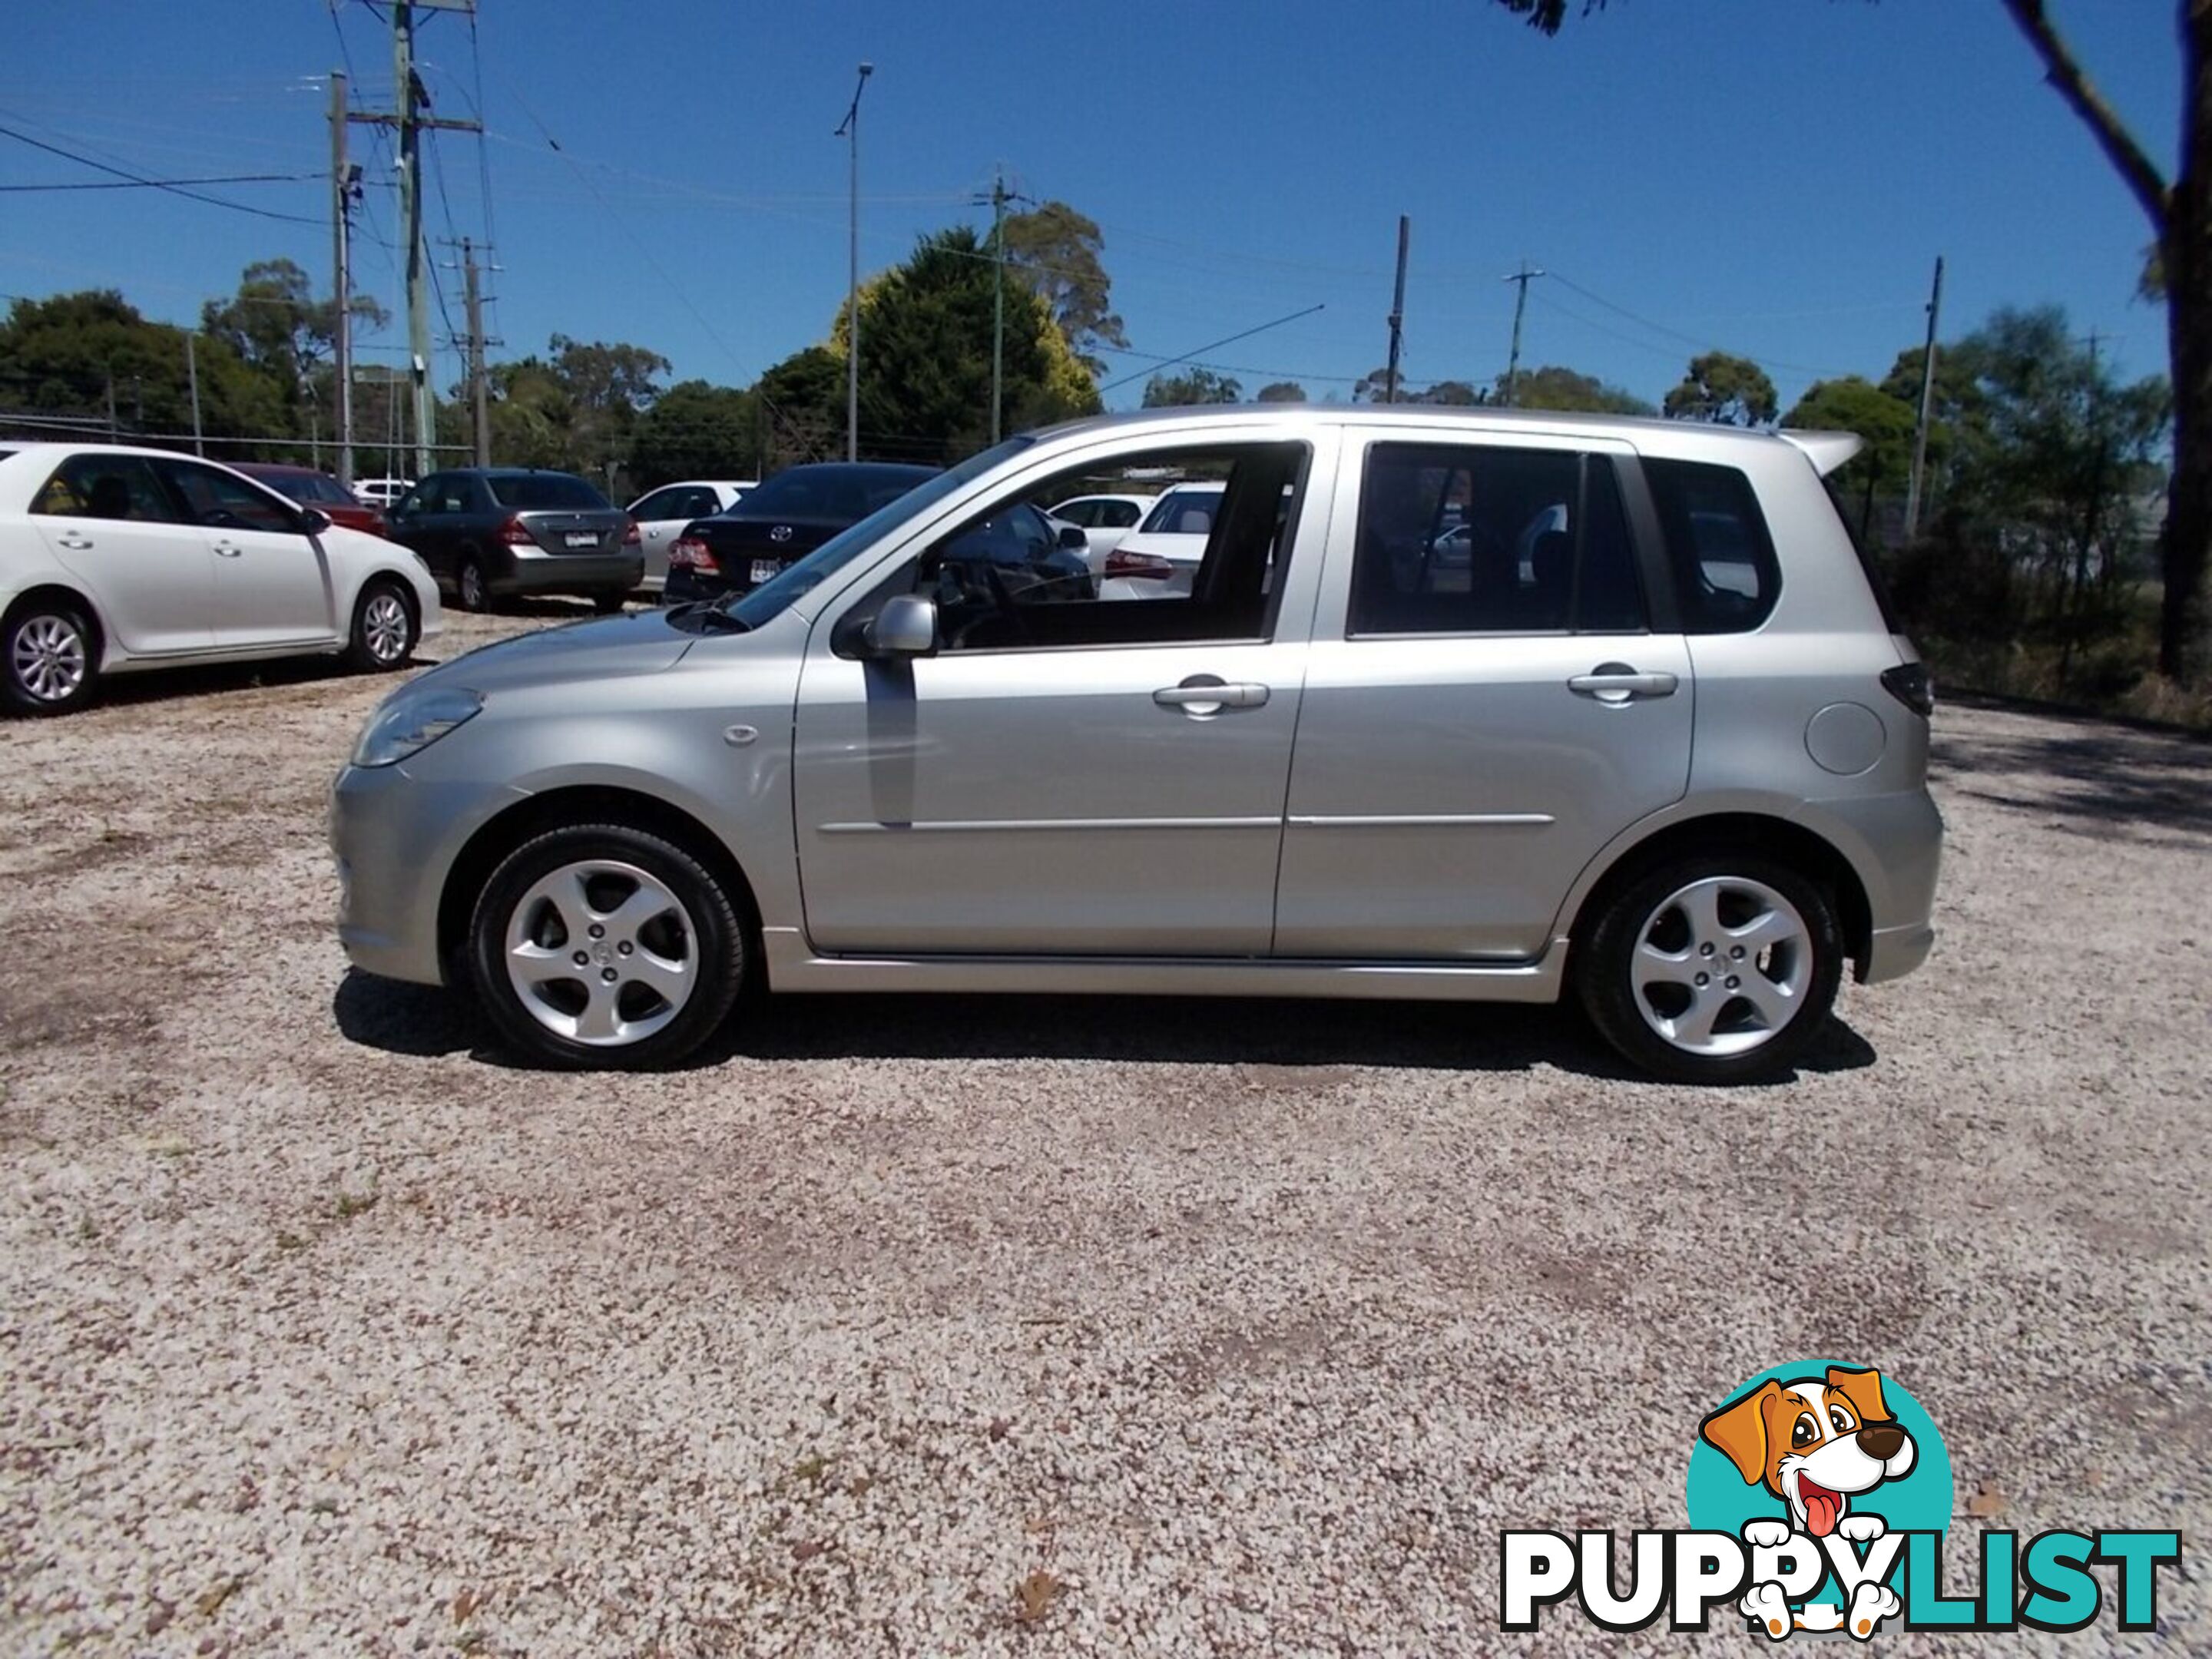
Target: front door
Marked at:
272, 578
1487, 704
1067, 775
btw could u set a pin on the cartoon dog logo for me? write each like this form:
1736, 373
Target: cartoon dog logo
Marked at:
1816, 1444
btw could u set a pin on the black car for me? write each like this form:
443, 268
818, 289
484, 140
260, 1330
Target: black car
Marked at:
499, 530
779, 523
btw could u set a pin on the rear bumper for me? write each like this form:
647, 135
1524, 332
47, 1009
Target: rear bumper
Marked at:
529, 572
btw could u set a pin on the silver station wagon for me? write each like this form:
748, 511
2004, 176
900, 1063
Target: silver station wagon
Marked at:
1472, 705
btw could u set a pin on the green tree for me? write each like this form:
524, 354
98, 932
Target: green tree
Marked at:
1554, 387
1731, 391
277, 323
1885, 422
696, 430
1194, 386
1281, 391
2179, 208
802, 399
81, 354
1057, 250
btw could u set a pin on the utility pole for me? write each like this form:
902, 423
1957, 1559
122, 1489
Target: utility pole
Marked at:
1524, 276
192, 380
342, 190
411, 124
477, 344
850, 128
1397, 311
1927, 409
998, 302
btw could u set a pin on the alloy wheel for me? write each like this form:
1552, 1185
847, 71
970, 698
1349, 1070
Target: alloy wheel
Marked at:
1721, 966
49, 659
384, 628
601, 952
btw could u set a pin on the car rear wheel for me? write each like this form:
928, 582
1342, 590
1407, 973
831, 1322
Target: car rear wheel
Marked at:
384, 631
1714, 969
50, 659
468, 590
602, 947
607, 604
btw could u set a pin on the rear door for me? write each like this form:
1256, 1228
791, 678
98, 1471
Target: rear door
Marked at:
112, 523
272, 580
1491, 697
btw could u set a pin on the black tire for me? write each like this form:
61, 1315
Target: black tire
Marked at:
607, 604
704, 918
385, 628
1744, 1039
49, 657
470, 592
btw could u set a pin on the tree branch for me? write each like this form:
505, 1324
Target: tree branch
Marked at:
2140, 172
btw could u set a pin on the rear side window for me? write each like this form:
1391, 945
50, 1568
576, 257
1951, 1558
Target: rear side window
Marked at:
532, 491
1186, 513
106, 486
1461, 539
1725, 574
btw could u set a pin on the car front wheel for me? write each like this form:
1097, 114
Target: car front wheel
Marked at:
1716, 969
49, 661
384, 632
604, 947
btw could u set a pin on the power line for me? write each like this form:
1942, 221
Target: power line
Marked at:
173, 183
154, 183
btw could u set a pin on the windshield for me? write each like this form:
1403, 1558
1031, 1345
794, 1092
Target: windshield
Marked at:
773, 598
526, 491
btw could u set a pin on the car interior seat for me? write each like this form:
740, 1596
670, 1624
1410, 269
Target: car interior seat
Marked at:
108, 498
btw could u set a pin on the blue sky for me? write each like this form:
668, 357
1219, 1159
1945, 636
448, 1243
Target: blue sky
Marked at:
1774, 178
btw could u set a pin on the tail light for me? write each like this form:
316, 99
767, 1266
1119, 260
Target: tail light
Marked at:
689, 553
376, 526
1148, 565
1911, 685
515, 533
631, 538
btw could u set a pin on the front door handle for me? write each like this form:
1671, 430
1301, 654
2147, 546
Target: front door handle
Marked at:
1204, 695
1616, 683
229, 550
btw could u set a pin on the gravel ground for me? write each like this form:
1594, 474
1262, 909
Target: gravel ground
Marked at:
1026, 1325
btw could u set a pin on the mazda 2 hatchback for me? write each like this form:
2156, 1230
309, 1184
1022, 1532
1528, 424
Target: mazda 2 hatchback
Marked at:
1472, 705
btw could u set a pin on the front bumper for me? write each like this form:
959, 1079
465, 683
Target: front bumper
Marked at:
394, 838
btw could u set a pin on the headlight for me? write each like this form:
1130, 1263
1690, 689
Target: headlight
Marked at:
411, 722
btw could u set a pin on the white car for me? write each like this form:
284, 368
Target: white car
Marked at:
1158, 558
1104, 520
380, 492
661, 514
114, 558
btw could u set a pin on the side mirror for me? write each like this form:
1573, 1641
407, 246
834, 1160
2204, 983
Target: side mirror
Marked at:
1073, 540
314, 521
905, 627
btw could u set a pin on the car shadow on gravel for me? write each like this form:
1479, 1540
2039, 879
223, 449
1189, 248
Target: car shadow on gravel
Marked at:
424, 1021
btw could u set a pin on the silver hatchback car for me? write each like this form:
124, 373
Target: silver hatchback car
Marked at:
1476, 705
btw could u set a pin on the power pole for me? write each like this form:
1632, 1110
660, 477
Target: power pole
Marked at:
192, 380
850, 128
1927, 409
998, 302
1524, 276
1397, 311
477, 343
411, 123
342, 188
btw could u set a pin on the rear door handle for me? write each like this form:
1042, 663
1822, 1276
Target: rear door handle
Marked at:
1618, 682
229, 550
1202, 695
75, 541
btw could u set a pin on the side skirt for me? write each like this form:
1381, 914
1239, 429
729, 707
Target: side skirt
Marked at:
792, 966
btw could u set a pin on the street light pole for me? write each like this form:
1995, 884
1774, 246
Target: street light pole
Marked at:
850, 129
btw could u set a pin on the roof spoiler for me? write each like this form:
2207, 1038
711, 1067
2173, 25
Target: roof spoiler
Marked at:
1826, 450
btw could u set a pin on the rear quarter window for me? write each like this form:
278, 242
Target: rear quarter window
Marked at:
1726, 576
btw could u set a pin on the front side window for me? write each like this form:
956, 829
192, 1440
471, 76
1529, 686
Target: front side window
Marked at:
1083, 515
661, 504
1462, 538
1001, 582
1718, 545
106, 487
1114, 515
222, 500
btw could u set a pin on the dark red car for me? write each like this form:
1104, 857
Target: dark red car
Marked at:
317, 490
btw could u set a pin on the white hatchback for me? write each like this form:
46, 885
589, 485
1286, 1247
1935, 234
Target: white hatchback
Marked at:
114, 558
